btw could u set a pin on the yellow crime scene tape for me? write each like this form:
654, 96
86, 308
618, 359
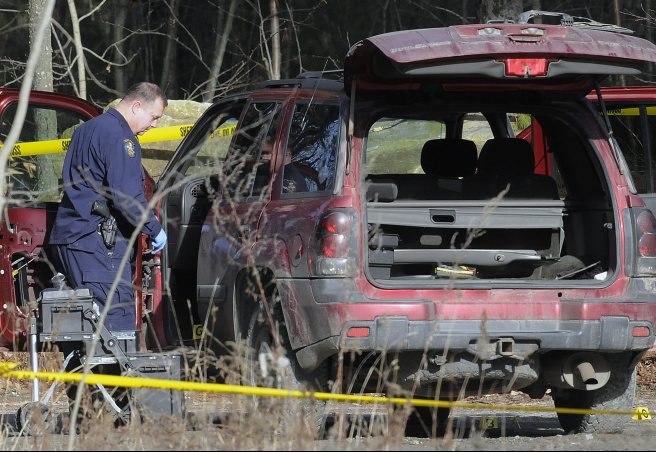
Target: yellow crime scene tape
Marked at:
7, 371
632, 111
31, 148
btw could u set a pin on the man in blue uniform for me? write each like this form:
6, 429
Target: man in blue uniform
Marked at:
103, 164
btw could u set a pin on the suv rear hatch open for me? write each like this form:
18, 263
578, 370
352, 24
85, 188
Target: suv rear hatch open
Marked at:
555, 57
451, 192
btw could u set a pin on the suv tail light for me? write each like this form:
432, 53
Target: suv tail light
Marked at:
335, 248
527, 67
644, 228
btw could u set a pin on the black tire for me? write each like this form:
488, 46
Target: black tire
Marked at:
617, 394
260, 339
427, 422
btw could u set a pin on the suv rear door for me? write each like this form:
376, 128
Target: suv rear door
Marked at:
35, 170
558, 58
244, 188
304, 185
186, 199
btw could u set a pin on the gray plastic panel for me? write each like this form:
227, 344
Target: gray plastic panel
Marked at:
528, 214
496, 257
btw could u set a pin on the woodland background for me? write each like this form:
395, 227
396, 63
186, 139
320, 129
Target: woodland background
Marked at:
202, 49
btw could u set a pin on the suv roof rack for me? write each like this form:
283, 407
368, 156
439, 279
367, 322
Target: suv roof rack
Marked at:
572, 21
335, 74
332, 80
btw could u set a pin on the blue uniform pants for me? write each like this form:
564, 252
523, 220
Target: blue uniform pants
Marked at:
87, 262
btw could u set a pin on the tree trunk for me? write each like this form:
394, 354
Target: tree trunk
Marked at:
45, 120
275, 41
169, 78
43, 74
220, 45
37, 34
649, 35
121, 14
621, 80
500, 9
616, 7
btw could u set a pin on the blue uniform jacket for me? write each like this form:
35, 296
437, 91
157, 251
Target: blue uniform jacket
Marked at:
103, 160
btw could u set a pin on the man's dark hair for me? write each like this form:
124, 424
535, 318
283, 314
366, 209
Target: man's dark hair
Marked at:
148, 92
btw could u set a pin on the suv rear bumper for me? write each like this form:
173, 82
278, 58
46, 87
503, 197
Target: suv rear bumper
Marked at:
414, 325
521, 336
485, 340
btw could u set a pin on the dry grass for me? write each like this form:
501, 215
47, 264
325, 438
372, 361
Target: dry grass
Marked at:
244, 422
646, 370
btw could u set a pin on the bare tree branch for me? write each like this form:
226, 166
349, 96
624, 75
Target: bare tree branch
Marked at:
90, 13
77, 39
67, 65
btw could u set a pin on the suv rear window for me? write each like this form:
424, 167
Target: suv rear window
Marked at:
394, 144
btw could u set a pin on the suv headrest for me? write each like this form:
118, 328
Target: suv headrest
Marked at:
508, 157
449, 157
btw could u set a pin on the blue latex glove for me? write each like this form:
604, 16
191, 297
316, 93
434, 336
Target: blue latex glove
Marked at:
158, 242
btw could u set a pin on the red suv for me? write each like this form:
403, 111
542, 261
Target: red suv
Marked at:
387, 225
448, 216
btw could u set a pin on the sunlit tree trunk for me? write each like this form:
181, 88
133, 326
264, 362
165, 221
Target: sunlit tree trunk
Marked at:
275, 40
223, 28
77, 38
621, 80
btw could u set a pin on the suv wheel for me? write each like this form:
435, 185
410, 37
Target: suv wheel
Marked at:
617, 394
271, 365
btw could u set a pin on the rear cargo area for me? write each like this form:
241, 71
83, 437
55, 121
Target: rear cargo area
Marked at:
508, 193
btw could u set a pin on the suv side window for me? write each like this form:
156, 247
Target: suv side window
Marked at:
39, 175
309, 164
212, 151
247, 169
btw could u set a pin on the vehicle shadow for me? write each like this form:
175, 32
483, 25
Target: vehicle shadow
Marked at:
499, 426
